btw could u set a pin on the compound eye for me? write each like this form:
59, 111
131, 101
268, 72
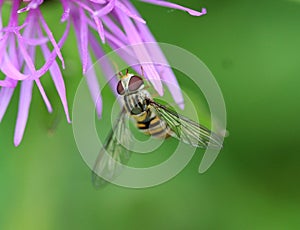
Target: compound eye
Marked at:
120, 88
135, 83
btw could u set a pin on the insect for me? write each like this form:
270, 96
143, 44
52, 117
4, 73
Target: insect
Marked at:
151, 118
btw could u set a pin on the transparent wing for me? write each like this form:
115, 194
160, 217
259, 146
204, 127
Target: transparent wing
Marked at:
186, 130
113, 152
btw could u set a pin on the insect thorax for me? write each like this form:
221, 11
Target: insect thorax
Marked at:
135, 103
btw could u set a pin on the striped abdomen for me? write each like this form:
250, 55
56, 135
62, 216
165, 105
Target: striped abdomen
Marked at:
149, 123
147, 120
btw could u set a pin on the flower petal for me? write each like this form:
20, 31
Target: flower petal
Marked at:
10, 70
66, 13
81, 30
100, 28
105, 63
93, 85
6, 83
5, 96
83, 40
52, 56
51, 38
177, 7
90, 74
116, 39
115, 30
105, 10
35, 42
140, 51
99, 1
32, 5
123, 8
57, 79
83, 6
23, 50
165, 72
44, 95
23, 111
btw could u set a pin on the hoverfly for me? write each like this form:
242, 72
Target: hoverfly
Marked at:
151, 118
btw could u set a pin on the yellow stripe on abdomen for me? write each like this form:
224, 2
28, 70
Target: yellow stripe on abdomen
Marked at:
150, 124
158, 128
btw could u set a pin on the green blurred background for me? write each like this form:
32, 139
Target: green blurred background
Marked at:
253, 50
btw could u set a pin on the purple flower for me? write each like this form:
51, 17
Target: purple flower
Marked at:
18, 44
116, 22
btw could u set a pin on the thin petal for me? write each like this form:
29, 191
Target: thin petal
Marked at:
123, 8
23, 111
13, 28
1, 24
5, 97
109, 36
13, 21
105, 10
99, 1
52, 56
100, 28
10, 70
93, 85
24, 52
115, 40
177, 7
51, 38
111, 25
90, 74
31, 52
83, 6
32, 5
141, 52
25, 99
44, 95
6, 83
35, 42
165, 72
83, 40
66, 12
57, 79
105, 63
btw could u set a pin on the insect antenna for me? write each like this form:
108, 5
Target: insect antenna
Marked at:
117, 68
142, 70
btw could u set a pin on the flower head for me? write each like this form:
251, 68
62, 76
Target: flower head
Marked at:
115, 22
